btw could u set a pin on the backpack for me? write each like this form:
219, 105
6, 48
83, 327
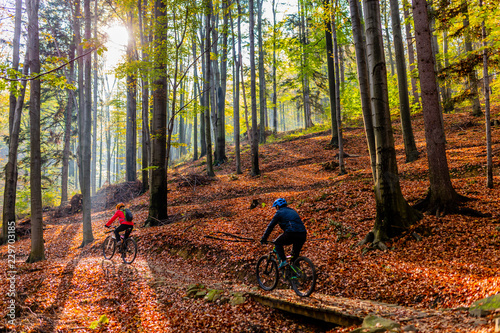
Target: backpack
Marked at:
128, 215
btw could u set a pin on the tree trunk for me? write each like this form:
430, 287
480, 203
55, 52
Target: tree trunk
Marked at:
441, 197
146, 149
486, 82
275, 90
37, 244
9, 203
388, 36
364, 84
236, 98
206, 88
253, 93
404, 102
131, 136
337, 93
305, 76
203, 101
411, 53
158, 197
221, 137
262, 76
471, 76
331, 74
196, 93
447, 99
393, 212
94, 112
67, 130
86, 138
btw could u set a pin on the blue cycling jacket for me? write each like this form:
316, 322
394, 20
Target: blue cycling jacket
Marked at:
288, 220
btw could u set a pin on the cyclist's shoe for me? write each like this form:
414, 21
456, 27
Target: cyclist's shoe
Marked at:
283, 264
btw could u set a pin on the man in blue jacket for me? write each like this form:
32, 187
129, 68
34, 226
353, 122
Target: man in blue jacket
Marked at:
294, 231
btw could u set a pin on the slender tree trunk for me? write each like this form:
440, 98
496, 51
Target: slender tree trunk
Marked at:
158, 197
472, 76
67, 130
203, 101
206, 88
146, 149
221, 101
37, 244
275, 90
486, 87
364, 84
337, 95
86, 139
131, 145
404, 102
253, 93
411, 53
441, 197
262, 76
393, 212
236, 98
196, 93
388, 35
331, 74
94, 113
9, 203
447, 99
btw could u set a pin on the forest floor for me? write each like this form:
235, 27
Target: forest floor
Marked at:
456, 262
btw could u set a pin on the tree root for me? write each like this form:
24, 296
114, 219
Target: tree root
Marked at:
432, 206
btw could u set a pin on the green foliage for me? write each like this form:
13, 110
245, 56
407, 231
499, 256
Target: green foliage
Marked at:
103, 320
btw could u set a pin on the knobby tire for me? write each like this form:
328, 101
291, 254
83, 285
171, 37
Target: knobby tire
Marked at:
267, 273
129, 250
303, 278
108, 247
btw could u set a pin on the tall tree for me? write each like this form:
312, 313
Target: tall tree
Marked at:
472, 76
411, 52
158, 197
337, 92
304, 42
146, 149
131, 136
253, 92
404, 102
236, 98
331, 72
67, 131
486, 84
275, 107
394, 214
94, 111
262, 75
206, 87
363, 79
442, 197
85, 138
37, 247
15, 107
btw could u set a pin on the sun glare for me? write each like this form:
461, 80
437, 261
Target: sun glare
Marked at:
117, 35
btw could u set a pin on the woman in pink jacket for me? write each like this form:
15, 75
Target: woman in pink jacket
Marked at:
125, 225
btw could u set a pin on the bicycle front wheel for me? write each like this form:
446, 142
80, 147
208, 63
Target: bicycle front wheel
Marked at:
108, 247
267, 273
129, 250
303, 276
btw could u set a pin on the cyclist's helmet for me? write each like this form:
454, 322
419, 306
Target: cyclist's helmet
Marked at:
279, 202
120, 206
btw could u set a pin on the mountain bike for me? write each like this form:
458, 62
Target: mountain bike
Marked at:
300, 275
127, 248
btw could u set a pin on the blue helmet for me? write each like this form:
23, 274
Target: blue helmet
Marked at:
279, 202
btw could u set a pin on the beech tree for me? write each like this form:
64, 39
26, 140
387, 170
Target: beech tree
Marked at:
394, 214
442, 197
37, 252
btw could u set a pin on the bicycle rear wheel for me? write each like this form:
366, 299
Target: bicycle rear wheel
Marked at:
267, 273
129, 250
108, 247
303, 276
